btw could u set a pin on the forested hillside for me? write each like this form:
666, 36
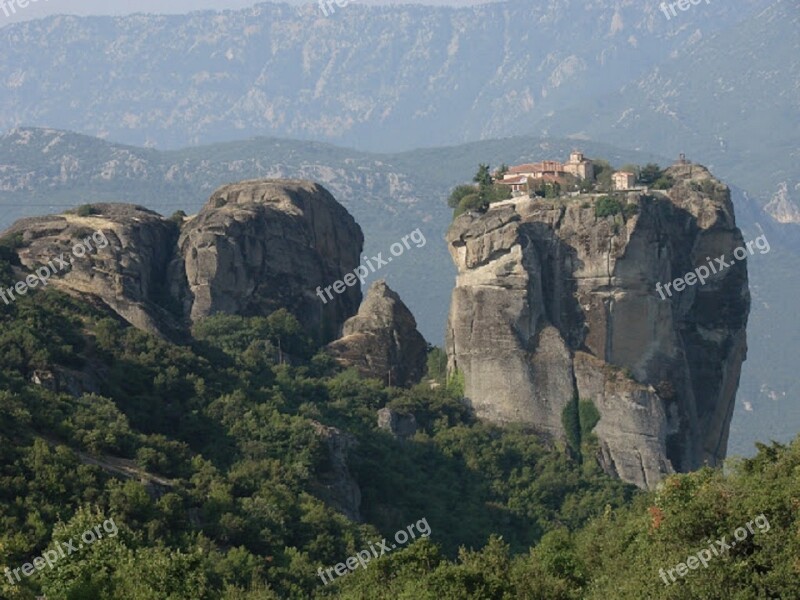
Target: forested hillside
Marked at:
210, 460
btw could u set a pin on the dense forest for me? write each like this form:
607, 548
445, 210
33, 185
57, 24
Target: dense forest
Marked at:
209, 460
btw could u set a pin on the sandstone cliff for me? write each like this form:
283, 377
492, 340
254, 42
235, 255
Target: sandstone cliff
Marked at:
256, 246
382, 340
553, 304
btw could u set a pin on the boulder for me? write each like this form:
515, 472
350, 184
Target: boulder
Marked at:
382, 341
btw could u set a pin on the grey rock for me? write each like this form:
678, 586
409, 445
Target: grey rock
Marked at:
382, 341
128, 274
540, 281
399, 425
336, 485
255, 247
261, 245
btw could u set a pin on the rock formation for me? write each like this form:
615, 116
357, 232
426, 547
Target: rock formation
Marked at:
382, 341
553, 305
335, 484
127, 271
400, 425
258, 246
255, 247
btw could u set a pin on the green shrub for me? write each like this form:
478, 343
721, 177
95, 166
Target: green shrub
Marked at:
471, 202
458, 194
630, 210
607, 206
86, 210
664, 182
437, 364
588, 416
12, 242
177, 217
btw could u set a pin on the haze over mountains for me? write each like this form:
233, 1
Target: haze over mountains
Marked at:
711, 82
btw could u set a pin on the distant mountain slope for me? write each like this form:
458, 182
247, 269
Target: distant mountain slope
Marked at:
733, 97
371, 77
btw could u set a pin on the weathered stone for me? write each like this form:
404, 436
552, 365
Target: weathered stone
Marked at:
540, 281
258, 246
382, 341
255, 247
336, 486
128, 274
399, 425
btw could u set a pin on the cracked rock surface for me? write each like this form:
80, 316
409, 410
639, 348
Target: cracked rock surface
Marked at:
553, 304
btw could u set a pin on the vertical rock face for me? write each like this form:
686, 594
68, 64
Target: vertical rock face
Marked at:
258, 246
553, 304
382, 340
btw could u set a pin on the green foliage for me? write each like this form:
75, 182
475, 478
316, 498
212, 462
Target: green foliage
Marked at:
458, 194
471, 202
11, 242
588, 416
437, 365
214, 462
86, 210
607, 206
496, 193
455, 383
603, 172
621, 552
478, 197
664, 182
629, 210
650, 173
483, 177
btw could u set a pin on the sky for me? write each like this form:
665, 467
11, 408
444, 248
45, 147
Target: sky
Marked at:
42, 8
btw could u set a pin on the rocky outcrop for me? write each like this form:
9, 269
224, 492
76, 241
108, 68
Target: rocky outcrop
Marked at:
125, 267
258, 246
382, 341
336, 485
551, 303
255, 247
398, 424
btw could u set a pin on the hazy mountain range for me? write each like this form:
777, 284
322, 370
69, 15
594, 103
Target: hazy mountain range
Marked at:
718, 82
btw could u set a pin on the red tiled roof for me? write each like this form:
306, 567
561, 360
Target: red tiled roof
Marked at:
545, 165
527, 168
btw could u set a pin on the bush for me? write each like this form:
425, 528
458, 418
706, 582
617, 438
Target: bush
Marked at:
86, 210
664, 182
630, 210
437, 365
588, 415
650, 174
177, 217
607, 206
458, 194
471, 202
